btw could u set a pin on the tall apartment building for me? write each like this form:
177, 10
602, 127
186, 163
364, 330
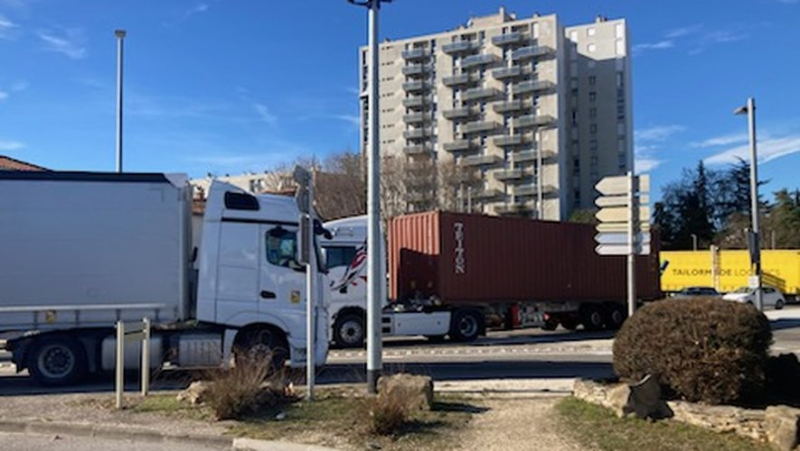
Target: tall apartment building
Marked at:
538, 111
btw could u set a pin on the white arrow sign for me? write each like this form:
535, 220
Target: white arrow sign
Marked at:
620, 249
619, 201
619, 227
619, 185
620, 214
620, 238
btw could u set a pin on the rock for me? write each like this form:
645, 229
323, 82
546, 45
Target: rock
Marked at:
195, 393
280, 416
744, 422
644, 400
781, 424
590, 391
617, 399
418, 389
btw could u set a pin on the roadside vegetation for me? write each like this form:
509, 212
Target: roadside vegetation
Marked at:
597, 427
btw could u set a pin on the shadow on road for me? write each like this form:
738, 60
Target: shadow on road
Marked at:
785, 323
501, 338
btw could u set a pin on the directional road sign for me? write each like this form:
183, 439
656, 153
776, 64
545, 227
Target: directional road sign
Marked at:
619, 201
621, 249
620, 238
620, 214
610, 186
619, 227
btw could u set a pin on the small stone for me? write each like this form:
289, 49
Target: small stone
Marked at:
419, 389
782, 424
195, 393
280, 416
374, 445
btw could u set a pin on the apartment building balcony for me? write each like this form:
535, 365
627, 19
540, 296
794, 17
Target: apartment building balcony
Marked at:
416, 118
459, 145
459, 113
418, 133
508, 73
459, 80
481, 160
420, 149
510, 106
418, 102
533, 120
416, 54
479, 127
417, 69
531, 51
479, 94
532, 190
508, 39
509, 141
478, 60
487, 194
508, 175
531, 86
514, 208
457, 47
532, 155
416, 86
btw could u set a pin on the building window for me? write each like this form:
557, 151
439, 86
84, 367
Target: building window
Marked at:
593, 112
620, 129
619, 31
592, 80
593, 129
591, 31
620, 47
593, 145
620, 80
593, 96
591, 48
593, 160
573, 36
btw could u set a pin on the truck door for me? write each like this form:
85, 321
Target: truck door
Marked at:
282, 279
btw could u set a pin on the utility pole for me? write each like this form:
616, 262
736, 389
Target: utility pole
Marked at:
120, 34
375, 279
755, 247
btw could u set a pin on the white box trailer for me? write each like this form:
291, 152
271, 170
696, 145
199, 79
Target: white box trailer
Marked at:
87, 250
80, 251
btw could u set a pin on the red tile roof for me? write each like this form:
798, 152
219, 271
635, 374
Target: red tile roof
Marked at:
12, 164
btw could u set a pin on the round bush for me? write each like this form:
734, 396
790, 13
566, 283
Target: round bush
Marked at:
704, 349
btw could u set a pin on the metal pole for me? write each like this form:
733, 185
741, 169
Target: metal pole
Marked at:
633, 213
538, 174
311, 274
120, 376
146, 357
694, 241
751, 126
374, 276
120, 39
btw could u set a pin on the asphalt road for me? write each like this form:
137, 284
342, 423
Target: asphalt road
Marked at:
523, 354
34, 442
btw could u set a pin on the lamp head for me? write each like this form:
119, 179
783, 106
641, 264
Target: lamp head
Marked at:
120, 33
741, 110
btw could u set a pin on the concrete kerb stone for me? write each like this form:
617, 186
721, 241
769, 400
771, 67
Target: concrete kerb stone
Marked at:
108, 431
264, 445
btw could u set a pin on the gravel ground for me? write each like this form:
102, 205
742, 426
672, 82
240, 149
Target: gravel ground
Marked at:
517, 425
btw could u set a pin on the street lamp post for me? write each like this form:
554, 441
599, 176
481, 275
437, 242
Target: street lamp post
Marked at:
374, 277
755, 251
694, 241
120, 34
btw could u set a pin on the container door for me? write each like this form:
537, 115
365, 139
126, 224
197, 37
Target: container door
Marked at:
282, 279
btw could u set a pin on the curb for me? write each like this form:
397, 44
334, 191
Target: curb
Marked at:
268, 445
107, 431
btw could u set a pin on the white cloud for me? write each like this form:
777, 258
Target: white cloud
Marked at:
264, 114
683, 31
6, 27
644, 158
70, 42
768, 150
353, 119
658, 132
660, 45
3, 95
10, 145
788, 2
723, 140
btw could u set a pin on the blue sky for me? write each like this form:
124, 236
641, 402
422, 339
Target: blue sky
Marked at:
227, 86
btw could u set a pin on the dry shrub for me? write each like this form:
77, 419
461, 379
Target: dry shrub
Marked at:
704, 349
246, 388
389, 411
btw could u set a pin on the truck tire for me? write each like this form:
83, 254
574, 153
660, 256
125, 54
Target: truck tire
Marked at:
263, 343
569, 323
550, 324
57, 360
592, 317
615, 315
466, 325
348, 331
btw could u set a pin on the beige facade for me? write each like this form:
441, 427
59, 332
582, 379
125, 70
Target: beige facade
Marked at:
537, 111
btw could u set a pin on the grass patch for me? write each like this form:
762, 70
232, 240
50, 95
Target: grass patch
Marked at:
170, 406
595, 426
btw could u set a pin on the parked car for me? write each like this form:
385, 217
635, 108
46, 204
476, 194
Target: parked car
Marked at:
772, 297
691, 292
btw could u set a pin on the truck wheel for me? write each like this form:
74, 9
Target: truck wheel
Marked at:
348, 331
57, 360
435, 338
263, 344
592, 318
615, 315
550, 324
466, 325
569, 323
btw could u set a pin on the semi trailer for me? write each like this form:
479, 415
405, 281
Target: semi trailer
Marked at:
452, 275
81, 251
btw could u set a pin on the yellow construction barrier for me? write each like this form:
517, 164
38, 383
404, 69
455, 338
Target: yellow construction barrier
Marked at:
727, 270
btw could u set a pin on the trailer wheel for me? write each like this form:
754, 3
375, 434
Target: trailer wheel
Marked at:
615, 315
466, 325
550, 324
569, 323
592, 317
57, 360
260, 344
348, 331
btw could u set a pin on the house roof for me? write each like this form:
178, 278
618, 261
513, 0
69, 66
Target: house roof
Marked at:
12, 164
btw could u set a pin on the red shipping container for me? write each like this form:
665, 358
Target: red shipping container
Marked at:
478, 259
